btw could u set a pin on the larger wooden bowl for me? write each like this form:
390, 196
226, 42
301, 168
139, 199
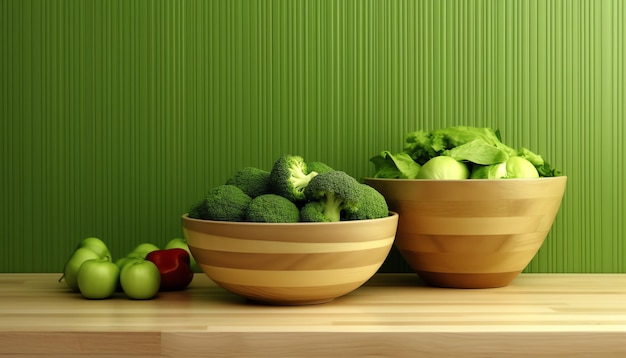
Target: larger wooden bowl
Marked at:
475, 233
290, 263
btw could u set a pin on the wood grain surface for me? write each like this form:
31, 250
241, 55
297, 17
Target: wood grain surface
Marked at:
393, 315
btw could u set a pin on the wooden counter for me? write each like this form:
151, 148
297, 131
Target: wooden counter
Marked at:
539, 315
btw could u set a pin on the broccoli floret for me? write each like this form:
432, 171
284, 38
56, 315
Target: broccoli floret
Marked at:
272, 208
253, 181
198, 211
372, 205
222, 203
313, 212
337, 191
289, 176
318, 167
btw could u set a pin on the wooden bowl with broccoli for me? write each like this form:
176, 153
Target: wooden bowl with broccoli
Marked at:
473, 211
299, 233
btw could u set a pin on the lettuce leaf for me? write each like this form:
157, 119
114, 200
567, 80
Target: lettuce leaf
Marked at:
395, 166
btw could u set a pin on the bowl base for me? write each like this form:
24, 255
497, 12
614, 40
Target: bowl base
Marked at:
468, 280
289, 303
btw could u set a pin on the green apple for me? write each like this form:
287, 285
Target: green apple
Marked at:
121, 262
86, 249
97, 278
181, 243
73, 264
96, 245
142, 250
140, 279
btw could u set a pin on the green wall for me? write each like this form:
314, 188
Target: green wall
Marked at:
117, 115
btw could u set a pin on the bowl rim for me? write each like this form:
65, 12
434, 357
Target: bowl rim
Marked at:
517, 180
185, 217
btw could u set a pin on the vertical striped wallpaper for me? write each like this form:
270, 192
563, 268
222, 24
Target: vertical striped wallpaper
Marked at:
117, 115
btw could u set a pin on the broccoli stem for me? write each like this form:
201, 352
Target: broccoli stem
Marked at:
299, 180
332, 207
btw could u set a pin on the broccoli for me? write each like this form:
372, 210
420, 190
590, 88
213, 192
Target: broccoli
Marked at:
337, 191
198, 211
272, 208
318, 167
313, 211
222, 203
372, 205
289, 177
253, 181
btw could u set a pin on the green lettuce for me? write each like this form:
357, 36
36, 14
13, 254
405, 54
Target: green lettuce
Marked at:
395, 166
476, 147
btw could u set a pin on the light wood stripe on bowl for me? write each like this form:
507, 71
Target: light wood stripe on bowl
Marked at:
360, 230
476, 225
470, 244
329, 260
471, 191
229, 244
298, 278
488, 207
474, 264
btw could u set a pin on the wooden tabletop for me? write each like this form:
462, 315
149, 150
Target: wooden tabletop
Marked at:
539, 315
